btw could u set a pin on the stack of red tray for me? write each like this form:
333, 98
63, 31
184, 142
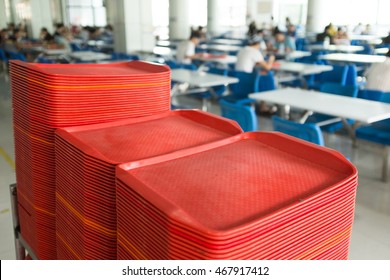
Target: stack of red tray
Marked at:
251, 196
86, 157
46, 97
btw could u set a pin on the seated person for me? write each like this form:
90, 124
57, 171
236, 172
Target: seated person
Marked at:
250, 56
186, 50
45, 36
326, 34
341, 37
378, 75
282, 43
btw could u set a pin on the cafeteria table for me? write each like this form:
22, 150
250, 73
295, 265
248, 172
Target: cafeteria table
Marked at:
88, 56
222, 60
342, 107
336, 48
353, 58
186, 79
218, 48
299, 70
232, 42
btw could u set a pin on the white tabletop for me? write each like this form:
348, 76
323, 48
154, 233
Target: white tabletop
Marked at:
226, 42
221, 48
336, 48
371, 39
353, 58
200, 79
382, 51
297, 55
55, 51
169, 44
361, 110
225, 59
89, 56
164, 51
300, 68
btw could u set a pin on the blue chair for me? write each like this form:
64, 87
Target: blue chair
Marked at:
343, 90
308, 132
265, 82
378, 132
124, 56
368, 49
4, 60
176, 65
244, 87
41, 59
337, 89
16, 56
243, 114
337, 75
369, 94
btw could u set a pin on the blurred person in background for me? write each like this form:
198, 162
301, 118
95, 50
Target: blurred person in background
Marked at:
378, 75
186, 49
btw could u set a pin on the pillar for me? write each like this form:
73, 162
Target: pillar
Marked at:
317, 16
179, 19
133, 25
3, 15
213, 17
40, 17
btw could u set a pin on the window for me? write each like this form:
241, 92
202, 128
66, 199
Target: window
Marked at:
86, 12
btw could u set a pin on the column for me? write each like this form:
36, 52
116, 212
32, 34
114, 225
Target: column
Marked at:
133, 25
179, 23
213, 22
317, 15
3, 15
40, 17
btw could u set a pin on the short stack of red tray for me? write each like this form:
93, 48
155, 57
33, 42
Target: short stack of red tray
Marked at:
46, 97
252, 196
86, 158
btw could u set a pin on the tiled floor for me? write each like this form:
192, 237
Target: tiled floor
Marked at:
371, 230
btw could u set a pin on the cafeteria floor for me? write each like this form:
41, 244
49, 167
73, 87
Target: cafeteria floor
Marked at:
371, 230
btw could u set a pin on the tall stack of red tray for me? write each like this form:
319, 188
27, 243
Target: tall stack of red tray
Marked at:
46, 97
86, 158
252, 196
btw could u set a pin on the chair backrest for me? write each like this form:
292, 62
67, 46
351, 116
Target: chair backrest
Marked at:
246, 84
46, 60
244, 115
17, 56
370, 94
172, 64
3, 57
337, 75
335, 88
120, 56
75, 47
309, 132
265, 82
352, 75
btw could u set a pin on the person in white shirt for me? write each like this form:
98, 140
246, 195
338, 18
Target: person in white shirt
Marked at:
378, 75
186, 50
250, 56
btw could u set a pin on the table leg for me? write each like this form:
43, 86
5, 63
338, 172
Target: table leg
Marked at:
305, 116
20, 251
385, 164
